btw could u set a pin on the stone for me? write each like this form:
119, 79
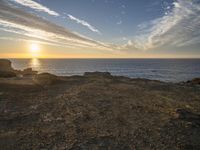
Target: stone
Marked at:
5, 65
46, 79
29, 72
194, 81
6, 70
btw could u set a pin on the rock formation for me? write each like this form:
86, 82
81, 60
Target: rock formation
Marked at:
28, 72
6, 70
5, 65
194, 81
46, 79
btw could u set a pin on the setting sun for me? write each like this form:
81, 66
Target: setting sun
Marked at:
34, 50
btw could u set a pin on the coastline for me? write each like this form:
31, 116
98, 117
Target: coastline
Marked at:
98, 110
175, 70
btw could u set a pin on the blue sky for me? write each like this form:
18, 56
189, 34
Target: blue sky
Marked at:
113, 18
115, 27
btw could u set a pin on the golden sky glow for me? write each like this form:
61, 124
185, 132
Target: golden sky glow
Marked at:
35, 50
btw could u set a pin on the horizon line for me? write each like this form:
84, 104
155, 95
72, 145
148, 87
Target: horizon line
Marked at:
112, 58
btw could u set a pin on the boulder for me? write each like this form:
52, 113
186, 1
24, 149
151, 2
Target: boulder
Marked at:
98, 74
46, 79
6, 70
28, 72
5, 65
194, 81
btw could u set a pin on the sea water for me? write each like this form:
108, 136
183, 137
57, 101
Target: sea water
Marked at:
168, 70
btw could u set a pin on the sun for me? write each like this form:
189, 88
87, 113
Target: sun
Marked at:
35, 49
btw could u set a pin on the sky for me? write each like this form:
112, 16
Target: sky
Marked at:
100, 28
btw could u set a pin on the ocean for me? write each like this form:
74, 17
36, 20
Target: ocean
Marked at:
168, 70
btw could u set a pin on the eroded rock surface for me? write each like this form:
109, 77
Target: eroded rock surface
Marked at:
5, 65
195, 81
46, 79
100, 112
6, 70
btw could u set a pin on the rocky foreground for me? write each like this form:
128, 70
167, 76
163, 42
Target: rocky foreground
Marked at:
98, 111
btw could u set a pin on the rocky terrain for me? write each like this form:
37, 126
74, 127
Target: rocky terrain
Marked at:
98, 111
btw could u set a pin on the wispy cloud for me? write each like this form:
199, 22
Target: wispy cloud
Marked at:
36, 6
17, 21
178, 27
119, 22
84, 23
22, 39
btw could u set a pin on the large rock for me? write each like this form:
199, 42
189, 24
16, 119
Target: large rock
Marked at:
28, 72
46, 79
5, 65
194, 81
6, 70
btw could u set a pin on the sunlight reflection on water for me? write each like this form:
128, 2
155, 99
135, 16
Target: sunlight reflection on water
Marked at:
34, 63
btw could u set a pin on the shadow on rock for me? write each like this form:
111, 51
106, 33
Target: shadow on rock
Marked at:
188, 116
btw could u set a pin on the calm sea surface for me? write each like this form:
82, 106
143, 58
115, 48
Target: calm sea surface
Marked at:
170, 70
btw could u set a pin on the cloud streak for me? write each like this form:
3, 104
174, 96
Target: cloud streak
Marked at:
178, 27
84, 23
29, 25
36, 6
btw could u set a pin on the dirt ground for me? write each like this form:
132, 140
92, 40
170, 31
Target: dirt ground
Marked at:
99, 112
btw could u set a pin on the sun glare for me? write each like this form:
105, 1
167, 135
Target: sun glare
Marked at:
34, 50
